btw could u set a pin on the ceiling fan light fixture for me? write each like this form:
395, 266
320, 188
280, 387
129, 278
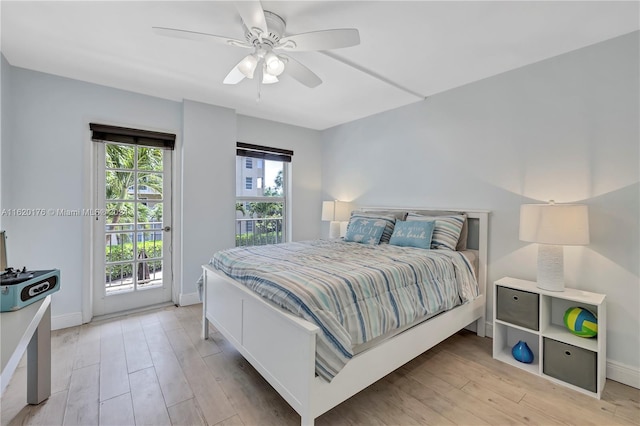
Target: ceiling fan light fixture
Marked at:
269, 79
273, 65
264, 31
248, 66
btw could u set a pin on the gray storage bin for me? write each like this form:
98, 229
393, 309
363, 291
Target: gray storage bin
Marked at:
570, 364
518, 307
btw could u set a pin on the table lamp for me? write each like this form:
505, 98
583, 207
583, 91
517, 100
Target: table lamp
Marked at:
337, 212
553, 226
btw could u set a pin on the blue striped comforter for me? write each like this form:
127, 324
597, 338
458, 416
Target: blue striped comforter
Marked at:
352, 292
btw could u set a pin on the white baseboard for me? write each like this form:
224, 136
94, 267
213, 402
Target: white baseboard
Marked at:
75, 318
488, 330
66, 320
624, 374
189, 299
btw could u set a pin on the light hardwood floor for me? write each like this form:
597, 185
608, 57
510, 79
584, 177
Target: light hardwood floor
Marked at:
153, 369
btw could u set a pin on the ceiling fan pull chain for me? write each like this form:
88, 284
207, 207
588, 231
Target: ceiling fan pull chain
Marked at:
258, 76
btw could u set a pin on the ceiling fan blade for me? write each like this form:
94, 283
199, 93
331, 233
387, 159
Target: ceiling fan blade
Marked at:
321, 40
301, 73
252, 15
194, 35
235, 76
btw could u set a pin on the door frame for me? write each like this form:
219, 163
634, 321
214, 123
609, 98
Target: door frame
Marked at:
88, 228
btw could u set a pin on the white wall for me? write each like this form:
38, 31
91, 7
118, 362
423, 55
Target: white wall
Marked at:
563, 129
5, 117
210, 136
45, 166
46, 163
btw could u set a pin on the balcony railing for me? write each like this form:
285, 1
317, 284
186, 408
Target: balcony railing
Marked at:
259, 231
121, 263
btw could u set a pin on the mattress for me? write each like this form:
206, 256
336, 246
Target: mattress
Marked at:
356, 294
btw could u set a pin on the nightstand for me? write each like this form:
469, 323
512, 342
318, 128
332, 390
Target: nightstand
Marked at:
522, 311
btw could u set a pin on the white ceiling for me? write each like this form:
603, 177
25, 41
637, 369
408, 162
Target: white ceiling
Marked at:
426, 47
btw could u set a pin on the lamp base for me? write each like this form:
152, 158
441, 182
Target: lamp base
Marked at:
550, 267
343, 228
334, 229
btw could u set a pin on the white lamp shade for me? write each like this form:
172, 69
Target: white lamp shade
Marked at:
273, 65
248, 65
328, 210
269, 79
336, 210
343, 211
558, 224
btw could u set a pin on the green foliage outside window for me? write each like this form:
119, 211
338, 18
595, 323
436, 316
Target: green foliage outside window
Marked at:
124, 252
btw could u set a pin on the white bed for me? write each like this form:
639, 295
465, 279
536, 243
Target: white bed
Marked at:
265, 334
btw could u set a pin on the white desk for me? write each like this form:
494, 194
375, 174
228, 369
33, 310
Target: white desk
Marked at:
28, 329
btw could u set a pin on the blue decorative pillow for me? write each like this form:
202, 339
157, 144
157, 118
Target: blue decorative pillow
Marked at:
365, 230
413, 234
389, 221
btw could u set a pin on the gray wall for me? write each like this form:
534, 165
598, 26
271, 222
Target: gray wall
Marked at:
46, 163
563, 129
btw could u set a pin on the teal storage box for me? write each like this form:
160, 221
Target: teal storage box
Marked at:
21, 288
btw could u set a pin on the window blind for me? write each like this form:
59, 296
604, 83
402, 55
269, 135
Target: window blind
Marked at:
264, 152
106, 133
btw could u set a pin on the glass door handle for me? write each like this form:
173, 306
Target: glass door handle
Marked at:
166, 229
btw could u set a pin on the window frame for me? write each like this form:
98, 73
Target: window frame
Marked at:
285, 199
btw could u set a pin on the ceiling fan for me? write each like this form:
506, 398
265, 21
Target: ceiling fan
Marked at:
264, 32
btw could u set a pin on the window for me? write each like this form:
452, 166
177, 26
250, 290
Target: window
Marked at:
261, 208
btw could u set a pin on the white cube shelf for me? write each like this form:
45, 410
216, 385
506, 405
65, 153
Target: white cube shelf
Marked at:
551, 308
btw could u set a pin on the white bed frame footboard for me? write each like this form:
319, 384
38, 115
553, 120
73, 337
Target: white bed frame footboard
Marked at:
265, 336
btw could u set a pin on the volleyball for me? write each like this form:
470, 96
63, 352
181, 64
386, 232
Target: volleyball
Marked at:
581, 322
